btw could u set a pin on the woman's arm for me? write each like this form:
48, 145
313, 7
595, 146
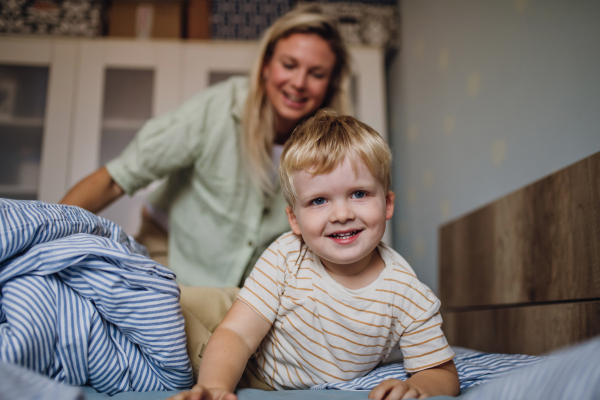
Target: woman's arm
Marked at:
226, 354
94, 192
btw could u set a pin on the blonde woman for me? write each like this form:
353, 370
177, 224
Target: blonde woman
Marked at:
219, 152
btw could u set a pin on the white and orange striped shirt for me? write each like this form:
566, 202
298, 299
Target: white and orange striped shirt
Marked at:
323, 332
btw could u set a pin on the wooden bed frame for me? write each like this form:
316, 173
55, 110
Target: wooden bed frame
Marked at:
522, 274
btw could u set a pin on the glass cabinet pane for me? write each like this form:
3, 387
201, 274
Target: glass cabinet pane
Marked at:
128, 95
127, 106
23, 92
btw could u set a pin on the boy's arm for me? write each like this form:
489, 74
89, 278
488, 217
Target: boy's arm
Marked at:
226, 354
437, 381
231, 345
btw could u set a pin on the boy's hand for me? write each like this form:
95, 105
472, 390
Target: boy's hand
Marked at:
439, 380
201, 393
394, 389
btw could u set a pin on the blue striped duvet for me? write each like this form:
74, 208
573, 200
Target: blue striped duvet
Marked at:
474, 368
82, 305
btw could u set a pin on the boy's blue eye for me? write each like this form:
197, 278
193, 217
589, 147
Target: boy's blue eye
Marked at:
359, 194
318, 202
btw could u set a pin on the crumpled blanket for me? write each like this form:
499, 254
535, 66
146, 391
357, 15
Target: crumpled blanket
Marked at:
80, 303
474, 368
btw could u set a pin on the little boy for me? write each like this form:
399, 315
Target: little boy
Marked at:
328, 301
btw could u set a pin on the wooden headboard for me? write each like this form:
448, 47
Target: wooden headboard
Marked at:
522, 274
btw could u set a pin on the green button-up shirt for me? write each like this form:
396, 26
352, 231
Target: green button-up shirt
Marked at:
219, 224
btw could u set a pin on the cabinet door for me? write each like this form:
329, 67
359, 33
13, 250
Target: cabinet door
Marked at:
207, 63
368, 88
36, 93
121, 84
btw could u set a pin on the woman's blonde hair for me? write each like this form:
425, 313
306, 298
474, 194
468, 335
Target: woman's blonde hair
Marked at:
322, 142
258, 119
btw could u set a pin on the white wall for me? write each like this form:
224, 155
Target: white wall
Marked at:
486, 97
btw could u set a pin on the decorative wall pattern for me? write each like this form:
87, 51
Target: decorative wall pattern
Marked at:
361, 22
485, 98
51, 17
368, 22
239, 19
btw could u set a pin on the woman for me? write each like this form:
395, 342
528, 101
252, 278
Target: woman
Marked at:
219, 153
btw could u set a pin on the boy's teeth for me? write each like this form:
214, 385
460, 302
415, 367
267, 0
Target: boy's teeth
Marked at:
344, 235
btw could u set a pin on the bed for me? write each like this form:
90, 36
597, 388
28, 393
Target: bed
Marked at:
519, 278
522, 274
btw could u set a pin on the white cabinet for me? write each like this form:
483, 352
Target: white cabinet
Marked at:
36, 97
102, 59
98, 92
120, 84
206, 63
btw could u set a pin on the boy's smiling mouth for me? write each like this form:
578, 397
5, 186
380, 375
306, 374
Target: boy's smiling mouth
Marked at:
345, 237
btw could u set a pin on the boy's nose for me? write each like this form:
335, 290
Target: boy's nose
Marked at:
341, 213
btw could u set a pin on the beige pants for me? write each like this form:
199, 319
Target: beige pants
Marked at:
203, 308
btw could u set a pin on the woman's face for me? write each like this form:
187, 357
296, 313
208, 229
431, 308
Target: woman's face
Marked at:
297, 78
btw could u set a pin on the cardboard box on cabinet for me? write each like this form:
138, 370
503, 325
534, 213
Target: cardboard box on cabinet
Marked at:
198, 19
145, 20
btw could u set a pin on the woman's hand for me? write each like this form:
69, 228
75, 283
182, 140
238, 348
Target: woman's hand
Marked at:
394, 389
201, 393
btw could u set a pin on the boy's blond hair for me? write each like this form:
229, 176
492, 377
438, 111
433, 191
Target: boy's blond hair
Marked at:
322, 142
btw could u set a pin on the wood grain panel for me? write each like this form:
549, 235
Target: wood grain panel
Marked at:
538, 244
524, 330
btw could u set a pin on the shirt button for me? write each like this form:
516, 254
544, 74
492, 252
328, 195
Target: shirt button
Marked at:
250, 243
266, 210
415, 284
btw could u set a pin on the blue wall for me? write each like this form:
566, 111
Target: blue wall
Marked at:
485, 97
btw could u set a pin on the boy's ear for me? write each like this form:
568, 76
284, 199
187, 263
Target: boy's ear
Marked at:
293, 220
389, 205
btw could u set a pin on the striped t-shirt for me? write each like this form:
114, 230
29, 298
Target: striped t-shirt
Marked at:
323, 332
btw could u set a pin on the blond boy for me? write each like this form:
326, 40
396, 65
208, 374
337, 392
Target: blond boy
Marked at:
328, 301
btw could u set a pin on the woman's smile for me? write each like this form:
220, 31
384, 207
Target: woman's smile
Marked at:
294, 101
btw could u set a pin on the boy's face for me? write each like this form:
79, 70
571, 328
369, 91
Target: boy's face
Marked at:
341, 215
